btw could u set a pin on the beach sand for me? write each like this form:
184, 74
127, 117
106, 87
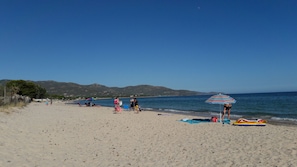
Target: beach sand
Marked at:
68, 135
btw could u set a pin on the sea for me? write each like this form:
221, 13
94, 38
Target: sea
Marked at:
279, 107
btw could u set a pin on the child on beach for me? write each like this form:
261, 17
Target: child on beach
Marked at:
136, 106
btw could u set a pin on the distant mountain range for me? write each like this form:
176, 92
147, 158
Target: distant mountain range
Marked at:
97, 90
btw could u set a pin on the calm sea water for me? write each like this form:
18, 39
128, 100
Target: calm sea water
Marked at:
273, 106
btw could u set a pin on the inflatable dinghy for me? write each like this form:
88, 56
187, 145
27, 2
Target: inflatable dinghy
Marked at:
250, 122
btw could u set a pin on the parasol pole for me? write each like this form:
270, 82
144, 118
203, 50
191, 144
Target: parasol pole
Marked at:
220, 114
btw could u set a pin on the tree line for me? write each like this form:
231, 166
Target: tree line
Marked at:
28, 88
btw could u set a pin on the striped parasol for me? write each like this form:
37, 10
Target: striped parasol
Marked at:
220, 99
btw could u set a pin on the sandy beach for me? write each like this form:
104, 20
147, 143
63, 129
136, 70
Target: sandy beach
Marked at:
68, 135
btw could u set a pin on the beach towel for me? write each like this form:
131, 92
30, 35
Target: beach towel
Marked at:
195, 121
225, 121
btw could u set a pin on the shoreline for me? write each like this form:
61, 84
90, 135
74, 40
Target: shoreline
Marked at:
193, 114
206, 115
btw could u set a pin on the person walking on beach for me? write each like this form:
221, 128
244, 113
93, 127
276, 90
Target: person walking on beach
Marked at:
117, 107
227, 107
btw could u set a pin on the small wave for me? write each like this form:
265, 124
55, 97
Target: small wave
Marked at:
214, 113
175, 111
237, 116
234, 116
148, 109
165, 110
284, 119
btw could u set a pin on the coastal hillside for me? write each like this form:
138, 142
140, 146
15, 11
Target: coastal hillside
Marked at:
97, 90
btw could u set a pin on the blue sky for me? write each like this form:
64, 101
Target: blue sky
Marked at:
231, 46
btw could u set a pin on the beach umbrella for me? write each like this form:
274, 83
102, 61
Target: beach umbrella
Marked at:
90, 99
220, 99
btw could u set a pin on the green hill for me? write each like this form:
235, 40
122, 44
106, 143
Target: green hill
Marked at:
97, 90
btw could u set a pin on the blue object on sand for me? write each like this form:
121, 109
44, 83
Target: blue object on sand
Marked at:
126, 107
225, 121
190, 121
195, 121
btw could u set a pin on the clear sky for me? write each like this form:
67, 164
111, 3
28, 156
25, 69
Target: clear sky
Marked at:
231, 46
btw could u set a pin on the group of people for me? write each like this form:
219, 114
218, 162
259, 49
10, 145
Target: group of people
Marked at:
89, 104
134, 106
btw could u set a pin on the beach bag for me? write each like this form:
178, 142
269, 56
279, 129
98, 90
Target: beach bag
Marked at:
214, 119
